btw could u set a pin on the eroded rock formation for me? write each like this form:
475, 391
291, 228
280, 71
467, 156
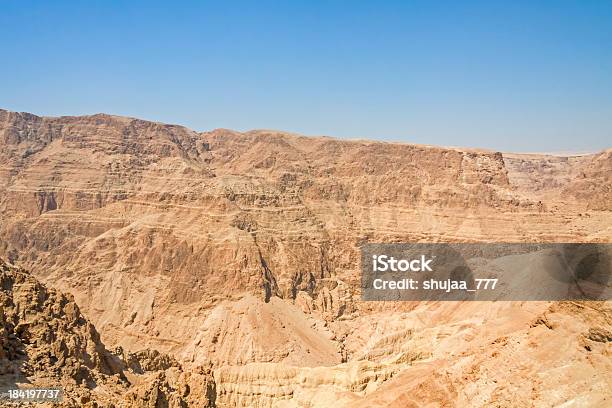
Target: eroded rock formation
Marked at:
240, 250
45, 341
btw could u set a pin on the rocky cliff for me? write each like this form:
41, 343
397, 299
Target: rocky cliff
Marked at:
45, 341
241, 250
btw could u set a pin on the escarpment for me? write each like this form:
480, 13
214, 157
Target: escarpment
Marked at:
240, 250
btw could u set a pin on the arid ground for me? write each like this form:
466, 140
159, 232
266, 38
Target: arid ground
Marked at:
222, 269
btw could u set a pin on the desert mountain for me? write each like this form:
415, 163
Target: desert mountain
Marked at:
241, 250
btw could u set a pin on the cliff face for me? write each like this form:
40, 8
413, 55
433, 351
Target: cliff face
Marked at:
242, 248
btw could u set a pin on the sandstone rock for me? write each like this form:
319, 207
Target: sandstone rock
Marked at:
46, 342
241, 251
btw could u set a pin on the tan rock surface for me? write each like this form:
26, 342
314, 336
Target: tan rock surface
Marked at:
45, 341
242, 249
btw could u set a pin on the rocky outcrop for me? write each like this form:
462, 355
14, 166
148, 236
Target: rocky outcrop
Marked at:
45, 341
44, 331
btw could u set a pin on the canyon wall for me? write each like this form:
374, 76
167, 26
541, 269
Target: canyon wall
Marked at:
241, 251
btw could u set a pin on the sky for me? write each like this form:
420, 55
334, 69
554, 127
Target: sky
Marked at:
532, 76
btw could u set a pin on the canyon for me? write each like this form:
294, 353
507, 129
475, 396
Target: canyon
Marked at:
235, 257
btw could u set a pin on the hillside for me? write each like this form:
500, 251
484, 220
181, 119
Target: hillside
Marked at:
45, 341
241, 250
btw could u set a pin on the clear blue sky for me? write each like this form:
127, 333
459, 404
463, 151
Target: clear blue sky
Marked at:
513, 76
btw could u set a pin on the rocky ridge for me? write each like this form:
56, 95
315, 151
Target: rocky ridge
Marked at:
45, 341
241, 249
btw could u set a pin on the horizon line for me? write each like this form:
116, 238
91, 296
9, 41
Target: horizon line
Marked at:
384, 139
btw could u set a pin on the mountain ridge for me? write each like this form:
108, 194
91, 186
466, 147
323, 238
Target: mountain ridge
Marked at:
242, 250
123, 118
